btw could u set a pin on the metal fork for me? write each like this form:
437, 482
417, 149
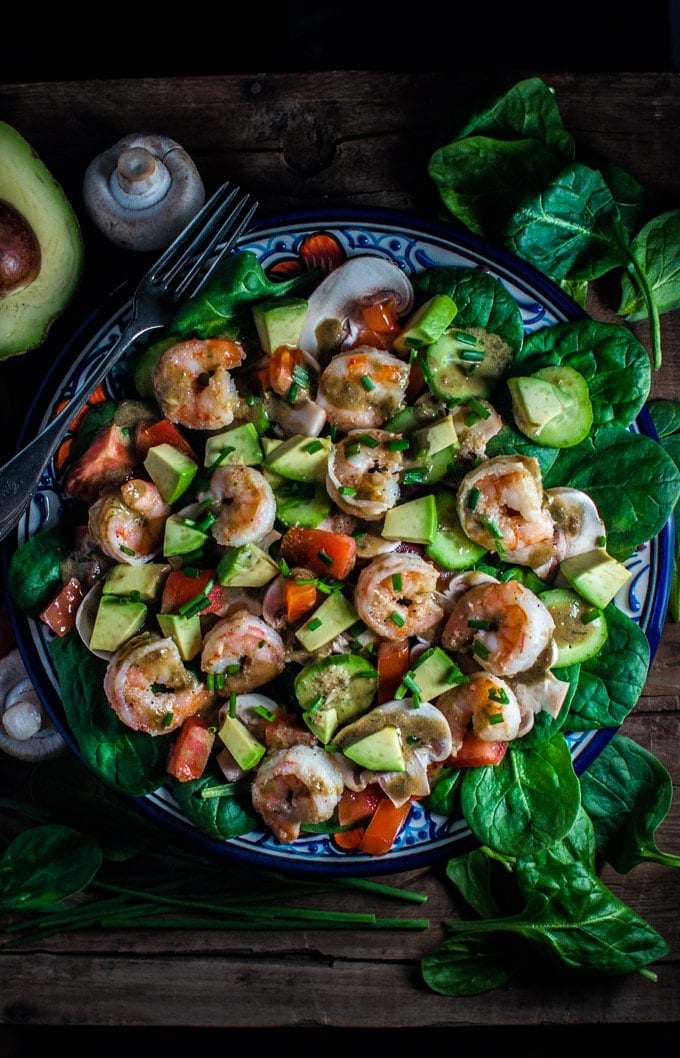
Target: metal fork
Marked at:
179, 273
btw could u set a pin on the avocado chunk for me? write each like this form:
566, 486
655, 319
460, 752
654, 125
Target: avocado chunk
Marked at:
37, 220
146, 580
300, 458
552, 406
379, 751
279, 321
595, 575
180, 538
426, 324
246, 566
170, 470
186, 632
414, 521
241, 444
435, 672
117, 620
580, 628
241, 743
334, 616
439, 435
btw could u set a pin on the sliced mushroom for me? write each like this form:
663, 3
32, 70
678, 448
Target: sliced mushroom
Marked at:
26, 732
540, 693
425, 739
334, 307
143, 191
578, 525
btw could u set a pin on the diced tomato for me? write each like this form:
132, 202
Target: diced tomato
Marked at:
282, 364
475, 753
60, 614
191, 750
109, 460
150, 434
416, 383
349, 839
384, 827
381, 317
373, 338
300, 598
326, 553
392, 663
358, 806
181, 588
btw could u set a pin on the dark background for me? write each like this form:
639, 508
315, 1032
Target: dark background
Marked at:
272, 35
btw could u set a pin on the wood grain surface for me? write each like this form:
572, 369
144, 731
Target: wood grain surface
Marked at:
299, 141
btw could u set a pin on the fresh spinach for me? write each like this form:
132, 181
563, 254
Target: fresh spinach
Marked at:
656, 249
46, 864
627, 793
222, 817
481, 301
34, 572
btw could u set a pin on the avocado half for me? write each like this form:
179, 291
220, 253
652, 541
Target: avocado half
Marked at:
29, 190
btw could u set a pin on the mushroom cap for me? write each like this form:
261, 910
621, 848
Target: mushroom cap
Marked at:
143, 191
25, 730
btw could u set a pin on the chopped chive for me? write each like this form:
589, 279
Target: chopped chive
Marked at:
224, 452
498, 694
398, 444
347, 490
207, 522
397, 619
284, 567
293, 391
409, 680
250, 399
301, 376
352, 449
367, 674
316, 704
466, 339
470, 355
602, 541
591, 615
314, 624
495, 718
416, 476
234, 668
477, 622
266, 714
334, 432
313, 447
127, 550
492, 529
192, 556
324, 557
473, 498
367, 382
368, 440
167, 719
397, 583
480, 649
232, 704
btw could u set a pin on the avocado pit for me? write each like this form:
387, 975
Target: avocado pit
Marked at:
20, 256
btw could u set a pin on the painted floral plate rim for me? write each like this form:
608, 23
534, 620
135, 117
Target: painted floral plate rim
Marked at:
413, 244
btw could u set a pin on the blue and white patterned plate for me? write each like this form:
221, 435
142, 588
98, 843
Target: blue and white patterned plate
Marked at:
285, 244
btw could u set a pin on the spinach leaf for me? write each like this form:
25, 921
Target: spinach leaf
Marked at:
467, 965
224, 816
638, 493
657, 251
238, 281
129, 761
34, 573
665, 415
527, 110
611, 683
526, 802
572, 228
45, 864
483, 880
627, 792
635, 203
611, 359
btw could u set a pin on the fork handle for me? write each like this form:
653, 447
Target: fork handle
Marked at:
20, 477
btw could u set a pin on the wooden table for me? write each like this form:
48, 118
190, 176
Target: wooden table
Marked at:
313, 140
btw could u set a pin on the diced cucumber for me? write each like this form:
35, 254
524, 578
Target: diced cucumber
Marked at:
450, 547
580, 629
333, 690
463, 364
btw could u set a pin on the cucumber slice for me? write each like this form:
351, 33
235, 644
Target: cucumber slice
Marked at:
463, 364
552, 406
301, 505
580, 629
451, 548
333, 690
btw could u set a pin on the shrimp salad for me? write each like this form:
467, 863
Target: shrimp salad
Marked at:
320, 561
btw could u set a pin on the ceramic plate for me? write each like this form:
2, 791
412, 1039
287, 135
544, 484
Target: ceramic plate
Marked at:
281, 242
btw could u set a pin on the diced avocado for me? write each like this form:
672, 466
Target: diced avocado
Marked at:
246, 566
279, 322
241, 444
180, 538
414, 521
301, 458
146, 364
117, 620
333, 690
298, 504
595, 575
379, 751
552, 406
268, 445
426, 324
580, 628
241, 743
170, 470
334, 616
435, 672
186, 632
146, 580
429, 440
450, 547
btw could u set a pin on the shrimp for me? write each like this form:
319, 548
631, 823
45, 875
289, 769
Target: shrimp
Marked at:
243, 502
501, 506
128, 524
193, 385
300, 784
361, 389
485, 702
504, 625
150, 689
476, 423
243, 651
363, 473
396, 595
